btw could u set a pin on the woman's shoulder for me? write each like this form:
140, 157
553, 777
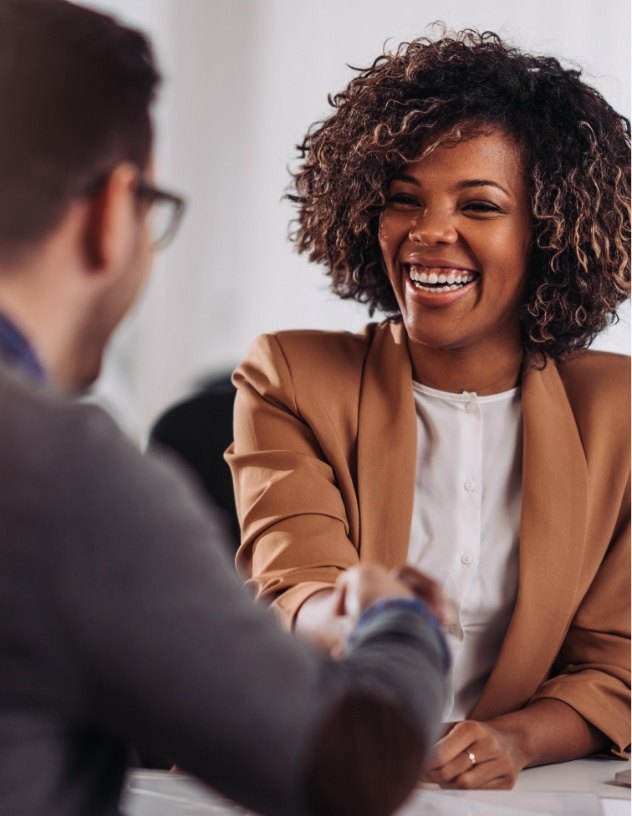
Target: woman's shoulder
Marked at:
597, 371
314, 365
597, 384
315, 350
326, 342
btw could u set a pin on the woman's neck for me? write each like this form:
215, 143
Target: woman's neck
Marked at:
481, 370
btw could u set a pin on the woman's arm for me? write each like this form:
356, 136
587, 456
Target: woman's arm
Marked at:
294, 489
491, 754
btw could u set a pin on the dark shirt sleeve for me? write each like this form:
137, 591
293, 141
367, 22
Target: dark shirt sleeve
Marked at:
157, 641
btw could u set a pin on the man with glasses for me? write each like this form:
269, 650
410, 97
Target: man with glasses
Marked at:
120, 620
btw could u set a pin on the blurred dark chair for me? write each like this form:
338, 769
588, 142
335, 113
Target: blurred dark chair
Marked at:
198, 430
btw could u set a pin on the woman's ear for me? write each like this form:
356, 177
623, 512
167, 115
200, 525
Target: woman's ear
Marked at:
112, 219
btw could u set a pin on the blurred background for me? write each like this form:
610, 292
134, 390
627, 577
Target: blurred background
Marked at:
242, 81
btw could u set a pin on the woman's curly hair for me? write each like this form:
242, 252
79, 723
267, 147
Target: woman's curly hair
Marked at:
576, 153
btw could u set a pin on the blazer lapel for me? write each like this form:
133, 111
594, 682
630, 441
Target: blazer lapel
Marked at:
552, 531
387, 448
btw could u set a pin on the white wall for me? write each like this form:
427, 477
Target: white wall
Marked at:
243, 79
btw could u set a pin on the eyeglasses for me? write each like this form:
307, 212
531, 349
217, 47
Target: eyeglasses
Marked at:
165, 212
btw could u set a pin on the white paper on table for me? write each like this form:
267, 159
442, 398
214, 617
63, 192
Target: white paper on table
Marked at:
501, 803
157, 793
615, 807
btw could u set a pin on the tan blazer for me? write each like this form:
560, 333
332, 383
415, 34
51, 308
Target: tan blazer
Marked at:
324, 465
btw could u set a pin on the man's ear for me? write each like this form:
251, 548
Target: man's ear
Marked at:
112, 219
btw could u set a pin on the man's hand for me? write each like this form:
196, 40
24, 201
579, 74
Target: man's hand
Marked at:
429, 591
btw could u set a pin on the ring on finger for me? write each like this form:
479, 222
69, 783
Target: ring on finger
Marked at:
472, 757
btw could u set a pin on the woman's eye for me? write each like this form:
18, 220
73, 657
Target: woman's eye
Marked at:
482, 207
402, 200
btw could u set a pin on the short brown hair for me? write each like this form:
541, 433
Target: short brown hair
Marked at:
75, 92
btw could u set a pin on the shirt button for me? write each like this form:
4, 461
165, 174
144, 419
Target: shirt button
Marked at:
466, 559
470, 486
470, 407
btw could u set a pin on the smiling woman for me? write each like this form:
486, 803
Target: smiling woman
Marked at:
478, 196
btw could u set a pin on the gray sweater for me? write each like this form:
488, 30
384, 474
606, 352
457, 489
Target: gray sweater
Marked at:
121, 622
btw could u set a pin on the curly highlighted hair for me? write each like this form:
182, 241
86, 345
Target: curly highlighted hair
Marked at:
576, 155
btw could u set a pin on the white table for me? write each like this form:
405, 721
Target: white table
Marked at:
593, 775
585, 787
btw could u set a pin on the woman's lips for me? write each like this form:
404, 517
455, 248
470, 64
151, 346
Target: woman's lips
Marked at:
436, 279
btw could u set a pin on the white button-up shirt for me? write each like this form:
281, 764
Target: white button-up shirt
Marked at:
466, 520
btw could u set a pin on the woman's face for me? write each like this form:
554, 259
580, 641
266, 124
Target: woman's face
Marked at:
455, 236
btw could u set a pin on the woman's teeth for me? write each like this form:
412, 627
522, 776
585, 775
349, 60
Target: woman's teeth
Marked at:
440, 279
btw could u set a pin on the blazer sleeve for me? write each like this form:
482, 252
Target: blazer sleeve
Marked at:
592, 673
294, 521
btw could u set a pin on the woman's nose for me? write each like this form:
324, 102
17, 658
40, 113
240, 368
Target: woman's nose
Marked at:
432, 228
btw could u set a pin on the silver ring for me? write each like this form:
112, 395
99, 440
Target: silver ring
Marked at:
472, 757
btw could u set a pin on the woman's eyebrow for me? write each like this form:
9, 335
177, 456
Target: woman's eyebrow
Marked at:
460, 185
464, 185
409, 179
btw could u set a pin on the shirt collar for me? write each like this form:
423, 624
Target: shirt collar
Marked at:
17, 350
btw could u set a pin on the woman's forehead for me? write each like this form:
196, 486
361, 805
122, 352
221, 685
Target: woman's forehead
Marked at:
490, 151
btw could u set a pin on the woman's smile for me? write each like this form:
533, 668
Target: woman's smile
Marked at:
438, 285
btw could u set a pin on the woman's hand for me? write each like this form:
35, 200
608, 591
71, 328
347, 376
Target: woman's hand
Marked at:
476, 755
360, 586
491, 754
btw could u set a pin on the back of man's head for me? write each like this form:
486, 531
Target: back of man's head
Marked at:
75, 93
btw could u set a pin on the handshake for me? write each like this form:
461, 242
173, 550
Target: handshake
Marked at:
328, 617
